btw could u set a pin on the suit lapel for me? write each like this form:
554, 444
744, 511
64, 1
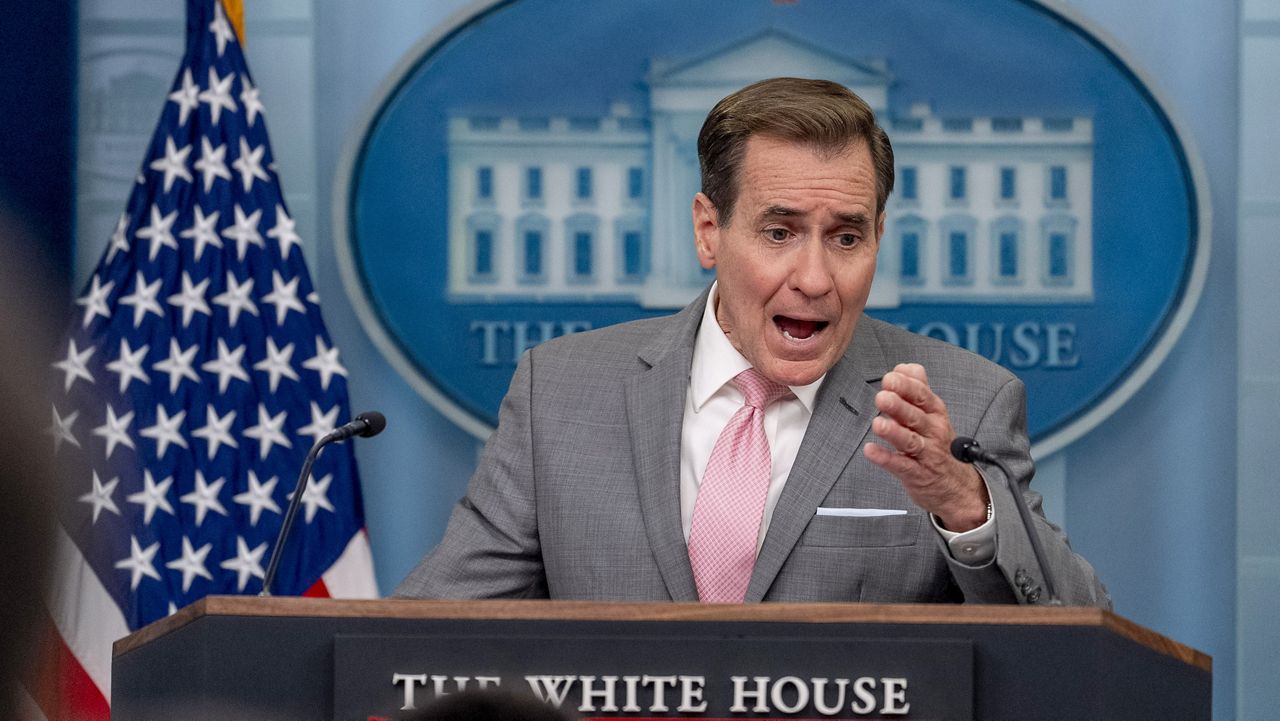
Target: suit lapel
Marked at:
655, 410
841, 418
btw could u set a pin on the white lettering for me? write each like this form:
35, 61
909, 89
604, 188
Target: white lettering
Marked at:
502, 341
895, 696
1026, 338
551, 689
1060, 343
631, 683
485, 682
941, 331
605, 694
864, 689
489, 339
741, 693
779, 696
691, 694
459, 684
820, 696
409, 680
659, 684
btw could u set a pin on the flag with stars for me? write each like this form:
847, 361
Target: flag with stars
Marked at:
196, 375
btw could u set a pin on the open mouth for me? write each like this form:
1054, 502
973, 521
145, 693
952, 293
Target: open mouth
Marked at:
797, 328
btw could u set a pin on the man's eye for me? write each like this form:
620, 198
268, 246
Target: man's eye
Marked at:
847, 240
778, 234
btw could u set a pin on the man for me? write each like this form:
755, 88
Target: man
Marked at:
722, 453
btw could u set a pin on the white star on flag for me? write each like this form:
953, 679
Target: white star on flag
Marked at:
258, 497
100, 496
284, 296
218, 95
249, 98
178, 364
244, 231
165, 430
191, 563
119, 241
228, 365
321, 423
284, 232
152, 496
191, 299
237, 297
316, 496
75, 364
216, 429
143, 299
269, 431
187, 97
115, 431
277, 364
212, 164
159, 232
173, 164
139, 563
205, 497
129, 365
95, 301
203, 231
325, 362
222, 32
246, 564
249, 164
61, 429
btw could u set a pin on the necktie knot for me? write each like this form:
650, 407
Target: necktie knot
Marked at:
758, 390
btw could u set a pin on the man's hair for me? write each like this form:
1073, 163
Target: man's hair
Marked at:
823, 115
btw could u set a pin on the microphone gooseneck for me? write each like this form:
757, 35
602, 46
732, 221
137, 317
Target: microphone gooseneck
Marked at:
365, 425
968, 450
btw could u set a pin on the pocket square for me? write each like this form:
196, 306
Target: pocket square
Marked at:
859, 512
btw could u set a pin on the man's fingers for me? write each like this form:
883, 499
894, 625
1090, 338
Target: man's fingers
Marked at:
914, 390
895, 463
899, 409
905, 440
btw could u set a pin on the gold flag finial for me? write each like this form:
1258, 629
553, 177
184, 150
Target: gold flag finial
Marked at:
235, 15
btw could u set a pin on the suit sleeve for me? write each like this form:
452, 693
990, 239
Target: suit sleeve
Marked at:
1013, 575
490, 547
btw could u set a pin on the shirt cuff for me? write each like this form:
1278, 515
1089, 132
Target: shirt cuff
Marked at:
975, 547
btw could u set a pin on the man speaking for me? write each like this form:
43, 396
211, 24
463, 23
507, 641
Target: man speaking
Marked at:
769, 442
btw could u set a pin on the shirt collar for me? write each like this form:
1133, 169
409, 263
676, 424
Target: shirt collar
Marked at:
716, 362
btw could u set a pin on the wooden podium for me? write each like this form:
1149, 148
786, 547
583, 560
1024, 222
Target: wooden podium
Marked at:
304, 659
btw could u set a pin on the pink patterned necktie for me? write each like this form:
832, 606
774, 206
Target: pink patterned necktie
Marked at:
730, 503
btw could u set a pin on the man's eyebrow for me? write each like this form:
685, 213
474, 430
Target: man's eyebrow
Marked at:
855, 219
775, 211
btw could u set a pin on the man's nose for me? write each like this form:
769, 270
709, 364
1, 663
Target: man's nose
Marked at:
811, 272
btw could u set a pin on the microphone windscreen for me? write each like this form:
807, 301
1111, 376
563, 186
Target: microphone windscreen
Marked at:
374, 421
962, 448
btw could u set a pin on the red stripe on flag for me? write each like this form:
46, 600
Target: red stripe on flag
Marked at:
60, 686
319, 590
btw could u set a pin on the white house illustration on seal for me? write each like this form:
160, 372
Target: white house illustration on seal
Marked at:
596, 209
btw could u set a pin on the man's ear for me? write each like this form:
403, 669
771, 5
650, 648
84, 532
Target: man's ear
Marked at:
706, 230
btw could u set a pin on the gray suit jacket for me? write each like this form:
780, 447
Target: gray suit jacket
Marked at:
577, 494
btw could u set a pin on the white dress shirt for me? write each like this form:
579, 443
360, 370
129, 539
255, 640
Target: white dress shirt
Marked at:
711, 402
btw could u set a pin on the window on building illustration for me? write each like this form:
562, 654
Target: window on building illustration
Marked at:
958, 254
1008, 183
635, 183
957, 183
533, 183
583, 243
909, 183
1058, 182
1059, 258
632, 254
533, 253
584, 184
484, 183
911, 257
1007, 267
482, 253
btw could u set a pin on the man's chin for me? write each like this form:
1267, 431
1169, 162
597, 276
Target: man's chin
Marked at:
795, 372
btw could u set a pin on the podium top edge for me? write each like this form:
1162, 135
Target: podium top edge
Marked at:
546, 610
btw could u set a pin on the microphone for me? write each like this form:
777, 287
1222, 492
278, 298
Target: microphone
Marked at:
968, 450
365, 425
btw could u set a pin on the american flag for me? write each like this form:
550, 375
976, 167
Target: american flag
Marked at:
196, 375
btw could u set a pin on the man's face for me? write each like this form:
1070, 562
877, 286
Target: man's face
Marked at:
796, 260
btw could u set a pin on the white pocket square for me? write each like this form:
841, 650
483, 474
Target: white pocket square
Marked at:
859, 512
